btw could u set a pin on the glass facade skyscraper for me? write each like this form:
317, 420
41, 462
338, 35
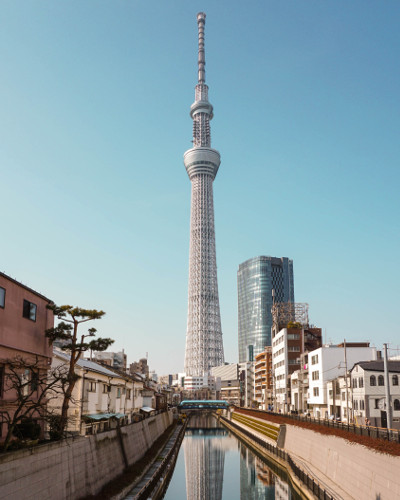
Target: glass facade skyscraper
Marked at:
257, 277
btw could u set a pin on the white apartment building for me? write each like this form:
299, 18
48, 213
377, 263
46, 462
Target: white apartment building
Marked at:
368, 392
328, 363
280, 371
286, 350
197, 383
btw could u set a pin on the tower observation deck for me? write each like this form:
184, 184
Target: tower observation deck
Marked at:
204, 348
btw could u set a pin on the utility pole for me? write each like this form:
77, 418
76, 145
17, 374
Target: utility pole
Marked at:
345, 379
274, 328
387, 388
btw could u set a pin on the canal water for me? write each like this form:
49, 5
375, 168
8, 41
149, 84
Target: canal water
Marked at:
215, 465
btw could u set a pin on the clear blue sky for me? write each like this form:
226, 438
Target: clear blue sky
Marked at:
94, 123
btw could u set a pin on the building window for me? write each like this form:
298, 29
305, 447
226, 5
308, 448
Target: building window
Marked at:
2, 297
381, 380
106, 388
29, 310
1, 380
34, 381
315, 375
396, 405
362, 406
92, 387
395, 380
355, 404
343, 396
372, 380
118, 392
316, 391
360, 382
314, 359
354, 383
128, 393
377, 403
250, 350
25, 378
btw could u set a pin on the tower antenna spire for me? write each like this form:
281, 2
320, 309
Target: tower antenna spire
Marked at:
204, 347
201, 21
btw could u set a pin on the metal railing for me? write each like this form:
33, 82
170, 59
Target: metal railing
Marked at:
361, 430
321, 492
99, 426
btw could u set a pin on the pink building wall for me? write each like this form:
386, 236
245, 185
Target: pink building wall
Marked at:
19, 335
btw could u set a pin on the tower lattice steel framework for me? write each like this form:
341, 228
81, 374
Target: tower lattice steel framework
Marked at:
204, 348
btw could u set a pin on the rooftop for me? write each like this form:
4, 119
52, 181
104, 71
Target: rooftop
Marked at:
86, 364
24, 286
378, 366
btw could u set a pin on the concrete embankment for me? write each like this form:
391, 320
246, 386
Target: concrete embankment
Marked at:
350, 470
79, 467
361, 472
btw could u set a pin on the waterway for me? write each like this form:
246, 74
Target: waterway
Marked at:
215, 465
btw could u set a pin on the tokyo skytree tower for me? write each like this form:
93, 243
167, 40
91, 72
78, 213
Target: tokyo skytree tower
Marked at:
204, 348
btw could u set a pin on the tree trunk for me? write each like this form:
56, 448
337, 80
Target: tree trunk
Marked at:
8, 437
65, 406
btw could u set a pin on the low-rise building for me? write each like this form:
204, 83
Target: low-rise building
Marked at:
247, 383
338, 397
201, 387
287, 347
263, 379
299, 391
140, 366
292, 335
101, 396
116, 360
368, 392
24, 318
236, 382
328, 363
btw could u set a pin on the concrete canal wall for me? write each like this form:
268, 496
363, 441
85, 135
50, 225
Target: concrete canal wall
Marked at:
363, 473
356, 471
74, 468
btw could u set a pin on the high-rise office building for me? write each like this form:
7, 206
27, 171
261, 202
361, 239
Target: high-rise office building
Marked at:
204, 348
257, 278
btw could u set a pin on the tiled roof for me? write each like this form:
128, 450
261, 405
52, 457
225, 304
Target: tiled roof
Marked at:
377, 366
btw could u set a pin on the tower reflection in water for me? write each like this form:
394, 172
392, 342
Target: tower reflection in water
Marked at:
204, 458
205, 445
